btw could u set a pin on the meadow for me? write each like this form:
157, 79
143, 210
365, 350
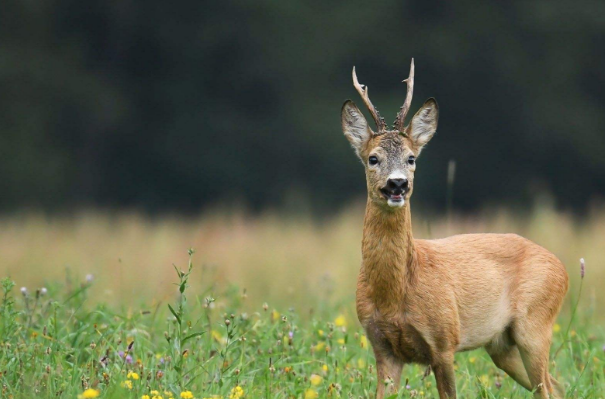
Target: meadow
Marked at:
123, 305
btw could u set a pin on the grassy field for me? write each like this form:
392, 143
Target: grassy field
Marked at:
263, 308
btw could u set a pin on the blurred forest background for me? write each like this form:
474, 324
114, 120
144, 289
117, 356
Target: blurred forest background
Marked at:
179, 106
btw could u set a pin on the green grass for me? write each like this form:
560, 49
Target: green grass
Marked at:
209, 341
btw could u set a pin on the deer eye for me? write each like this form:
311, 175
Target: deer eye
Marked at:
373, 160
411, 160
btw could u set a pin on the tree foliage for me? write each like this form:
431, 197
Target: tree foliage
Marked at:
179, 105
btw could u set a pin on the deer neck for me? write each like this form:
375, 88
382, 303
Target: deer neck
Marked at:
388, 254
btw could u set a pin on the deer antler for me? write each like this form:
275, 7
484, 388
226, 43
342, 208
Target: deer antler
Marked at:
363, 92
400, 121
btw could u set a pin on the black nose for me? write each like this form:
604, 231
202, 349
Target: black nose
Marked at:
397, 186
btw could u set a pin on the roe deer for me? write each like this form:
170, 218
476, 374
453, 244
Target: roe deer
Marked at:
421, 301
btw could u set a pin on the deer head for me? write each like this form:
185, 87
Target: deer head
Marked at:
389, 156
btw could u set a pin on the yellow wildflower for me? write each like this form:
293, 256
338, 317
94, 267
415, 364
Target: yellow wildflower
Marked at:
154, 393
556, 328
187, 395
311, 394
157, 397
363, 342
145, 397
472, 360
127, 384
90, 393
340, 321
320, 346
341, 341
275, 315
236, 393
320, 332
484, 379
315, 379
168, 393
132, 375
325, 368
361, 363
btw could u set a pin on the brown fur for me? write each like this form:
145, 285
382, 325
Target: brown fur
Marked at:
422, 301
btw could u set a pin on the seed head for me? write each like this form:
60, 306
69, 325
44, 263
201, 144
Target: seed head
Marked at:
582, 267
24, 291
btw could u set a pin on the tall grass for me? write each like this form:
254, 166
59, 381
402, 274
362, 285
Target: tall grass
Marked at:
266, 312
296, 260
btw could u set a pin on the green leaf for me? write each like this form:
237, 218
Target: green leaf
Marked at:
178, 272
174, 313
188, 337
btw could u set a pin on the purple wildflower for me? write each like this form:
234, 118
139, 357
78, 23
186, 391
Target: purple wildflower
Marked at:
291, 334
128, 359
121, 354
498, 384
408, 387
162, 360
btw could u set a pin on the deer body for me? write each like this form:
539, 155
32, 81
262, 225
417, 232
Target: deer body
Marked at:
421, 301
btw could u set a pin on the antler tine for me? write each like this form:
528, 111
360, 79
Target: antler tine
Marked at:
400, 121
380, 123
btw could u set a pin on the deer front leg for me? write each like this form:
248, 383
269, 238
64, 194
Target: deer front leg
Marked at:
388, 369
445, 377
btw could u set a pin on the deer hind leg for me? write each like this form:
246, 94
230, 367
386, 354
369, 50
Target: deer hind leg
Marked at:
388, 368
534, 340
508, 359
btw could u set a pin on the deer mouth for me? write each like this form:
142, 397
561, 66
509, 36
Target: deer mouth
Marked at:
395, 198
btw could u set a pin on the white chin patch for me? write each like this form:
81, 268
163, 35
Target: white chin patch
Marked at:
396, 203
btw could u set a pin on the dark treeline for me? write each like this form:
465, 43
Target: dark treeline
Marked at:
176, 105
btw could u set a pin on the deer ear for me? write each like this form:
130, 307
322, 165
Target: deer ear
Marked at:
354, 126
424, 124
